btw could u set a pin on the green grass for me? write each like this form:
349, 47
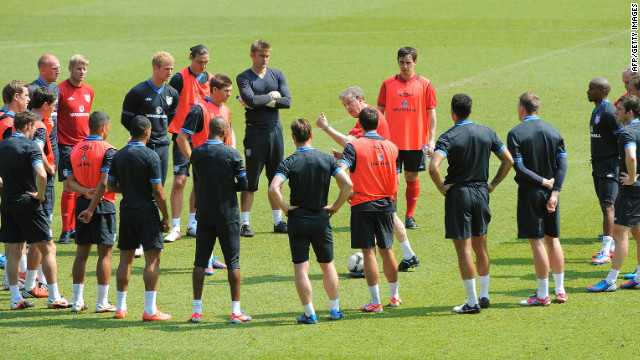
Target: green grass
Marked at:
492, 50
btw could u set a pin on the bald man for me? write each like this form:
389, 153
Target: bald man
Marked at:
604, 128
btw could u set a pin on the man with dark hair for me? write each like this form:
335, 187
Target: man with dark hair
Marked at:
43, 104
353, 101
310, 173
157, 101
95, 208
136, 173
408, 100
192, 83
263, 92
540, 162
604, 133
74, 108
467, 147
15, 96
23, 182
627, 204
217, 212
372, 163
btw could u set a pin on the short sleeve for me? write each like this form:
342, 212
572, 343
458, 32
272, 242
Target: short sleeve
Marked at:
177, 82
333, 163
514, 147
560, 149
238, 166
107, 159
34, 154
356, 132
497, 146
193, 121
114, 172
155, 172
382, 96
430, 97
443, 144
283, 169
349, 157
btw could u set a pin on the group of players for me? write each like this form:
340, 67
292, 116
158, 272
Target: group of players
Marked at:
401, 131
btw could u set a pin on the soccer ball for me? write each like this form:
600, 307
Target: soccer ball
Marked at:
355, 263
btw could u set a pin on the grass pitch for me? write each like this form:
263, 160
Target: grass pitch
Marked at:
492, 51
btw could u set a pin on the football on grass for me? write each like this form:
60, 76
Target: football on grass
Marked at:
355, 263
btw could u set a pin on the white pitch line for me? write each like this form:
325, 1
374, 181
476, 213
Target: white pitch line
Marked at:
526, 61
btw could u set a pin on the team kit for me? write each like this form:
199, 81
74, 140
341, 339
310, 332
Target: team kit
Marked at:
49, 131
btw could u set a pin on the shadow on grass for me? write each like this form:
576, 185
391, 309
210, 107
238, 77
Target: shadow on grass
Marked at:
87, 320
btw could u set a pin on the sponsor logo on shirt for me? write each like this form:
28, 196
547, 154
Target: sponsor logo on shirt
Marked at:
81, 108
148, 99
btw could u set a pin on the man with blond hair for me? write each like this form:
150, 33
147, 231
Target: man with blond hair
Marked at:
74, 107
158, 102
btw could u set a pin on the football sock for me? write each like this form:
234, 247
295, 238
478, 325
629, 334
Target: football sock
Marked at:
30, 280
308, 309
613, 275
67, 202
411, 194
23, 263
192, 220
41, 278
245, 217
637, 278
150, 302
606, 244
375, 295
558, 282
122, 300
613, 245
175, 223
78, 289
334, 304
470, 289
54, 294
197, 307
484, 286
543, 288
235, 308
103, 295
16, 297
407, 252
277, 216
393, 290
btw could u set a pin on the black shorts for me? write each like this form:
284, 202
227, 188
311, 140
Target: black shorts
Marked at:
627, 211
534, 221
229, 235
30, 227
132, 234
605, 178
47, 204
414, 160
180, 163
466, 212
64, 154
310, 230
101, 230
163, 153
262, 148
371, 228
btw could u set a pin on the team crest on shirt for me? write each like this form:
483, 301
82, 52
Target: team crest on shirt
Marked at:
158, 110
87, 98
405, 103
380, 157
169, 100
81, 108
597, 119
